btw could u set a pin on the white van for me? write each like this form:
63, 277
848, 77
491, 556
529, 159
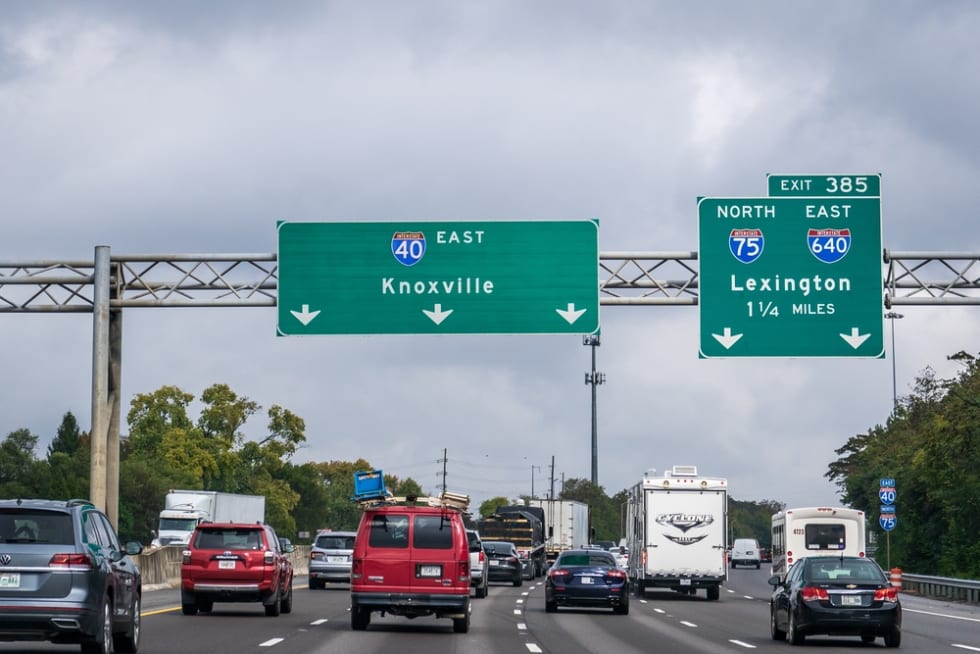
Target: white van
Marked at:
745, 551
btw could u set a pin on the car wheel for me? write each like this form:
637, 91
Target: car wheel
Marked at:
272, 610
101, 643
623, 608
714, 592
461, 625
188, 609
550, 607
758, 565
359, 618
286, 604
481, 590
793, 633
519, 579
893, 638
774, 630
129, 641
206, 606
317, 584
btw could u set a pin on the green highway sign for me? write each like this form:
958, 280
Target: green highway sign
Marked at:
791, 276
417, 277
824, 185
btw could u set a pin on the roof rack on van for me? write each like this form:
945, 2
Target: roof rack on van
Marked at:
369, 489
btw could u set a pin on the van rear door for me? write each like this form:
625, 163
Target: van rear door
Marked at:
440, 554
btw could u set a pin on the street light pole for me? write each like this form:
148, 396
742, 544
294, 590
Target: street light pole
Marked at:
594, 378
891, 315
533, 467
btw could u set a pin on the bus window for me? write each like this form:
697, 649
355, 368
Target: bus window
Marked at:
824, 537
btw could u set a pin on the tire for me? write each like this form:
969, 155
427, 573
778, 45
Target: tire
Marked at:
624, 608
128, 642
758, 565
206, 606
359, 618
188, 609
461, 625
518, 580
793, 633
550, 607
893, 638
482, 588
273, 610
286, 603
714, 592
774, 631
101, 643
317, 584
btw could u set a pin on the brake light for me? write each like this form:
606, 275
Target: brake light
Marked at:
316, 555
482, 558
185, 556
513, 561
72, 560
560, 576
616, 574
464, 570
269, 558
355, 569
889, 594
789, 557
812, 594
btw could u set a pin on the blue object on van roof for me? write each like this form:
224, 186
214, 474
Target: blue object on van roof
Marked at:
369, 485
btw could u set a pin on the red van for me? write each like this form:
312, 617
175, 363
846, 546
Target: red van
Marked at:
411, 561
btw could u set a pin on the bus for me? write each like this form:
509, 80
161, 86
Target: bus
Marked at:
816, 531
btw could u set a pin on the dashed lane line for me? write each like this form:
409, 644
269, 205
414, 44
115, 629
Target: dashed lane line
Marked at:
271, 642
742, 644
531, 647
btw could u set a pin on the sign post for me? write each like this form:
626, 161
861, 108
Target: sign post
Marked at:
505, 277
793, 275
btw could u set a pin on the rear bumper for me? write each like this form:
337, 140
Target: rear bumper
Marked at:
843, 622
60, 624
406, 603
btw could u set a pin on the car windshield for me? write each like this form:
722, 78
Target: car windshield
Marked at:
585, 559
335, 542
850, 571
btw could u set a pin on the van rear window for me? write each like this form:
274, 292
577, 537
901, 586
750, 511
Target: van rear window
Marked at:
389, 530
825, 537
433, 532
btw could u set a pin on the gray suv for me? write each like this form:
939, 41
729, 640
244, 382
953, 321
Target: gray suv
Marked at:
330, 557
65, 578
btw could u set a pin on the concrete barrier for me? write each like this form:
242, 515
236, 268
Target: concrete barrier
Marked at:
160, 566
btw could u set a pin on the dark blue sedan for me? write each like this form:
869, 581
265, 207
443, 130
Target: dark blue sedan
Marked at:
586, 577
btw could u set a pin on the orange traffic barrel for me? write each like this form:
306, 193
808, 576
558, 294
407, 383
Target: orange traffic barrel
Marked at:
896, 578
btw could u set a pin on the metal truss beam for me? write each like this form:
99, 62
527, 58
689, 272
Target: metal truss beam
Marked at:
250, 280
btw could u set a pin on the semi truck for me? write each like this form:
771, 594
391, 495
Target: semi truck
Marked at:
568, 525
676, 529
523, 526
183, 510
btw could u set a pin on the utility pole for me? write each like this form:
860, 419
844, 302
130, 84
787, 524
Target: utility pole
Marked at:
594, 379
444, 460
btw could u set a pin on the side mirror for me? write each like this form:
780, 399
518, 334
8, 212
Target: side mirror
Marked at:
774, 581
286, 546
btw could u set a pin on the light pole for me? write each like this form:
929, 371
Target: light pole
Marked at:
594, 378
891, 315
533, 468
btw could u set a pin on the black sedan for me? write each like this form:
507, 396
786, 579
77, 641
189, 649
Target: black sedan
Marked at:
586, 577
504, 562
835, 596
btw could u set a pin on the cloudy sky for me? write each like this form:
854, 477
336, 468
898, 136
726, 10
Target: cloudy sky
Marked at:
187, 127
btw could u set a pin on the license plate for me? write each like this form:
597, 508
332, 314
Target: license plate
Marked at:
588, 580
336, 559
226, 565
685, 582
430, 571
850, 600
494, 562
10, 580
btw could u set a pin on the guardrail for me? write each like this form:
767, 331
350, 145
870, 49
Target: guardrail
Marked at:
957, 590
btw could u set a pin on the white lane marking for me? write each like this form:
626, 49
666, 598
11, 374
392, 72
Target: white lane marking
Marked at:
661, 611
318, 622
941, 615
748, 597
520, 601
525, 593
688, 624
643, 602
271, 642
531, 647
972, 649
741, 644
517, 611
521, 626
729, 590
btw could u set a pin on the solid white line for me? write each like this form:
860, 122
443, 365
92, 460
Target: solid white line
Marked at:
318, 622
531, 647
941, 615
271, 642
741, 644
688, 624
972, 649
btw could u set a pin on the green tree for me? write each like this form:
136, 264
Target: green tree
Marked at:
18, 464
490, 506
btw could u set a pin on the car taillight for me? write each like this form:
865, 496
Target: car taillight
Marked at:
812, 593
269, 558
73, 560
464, 570
513, 561
355, 569
316, 555
789, 558
886, 594
560, 576
185, 556
616, 574
483, 557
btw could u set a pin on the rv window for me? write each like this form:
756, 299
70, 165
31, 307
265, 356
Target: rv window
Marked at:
825, 537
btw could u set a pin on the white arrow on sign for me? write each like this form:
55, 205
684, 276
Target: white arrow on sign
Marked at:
305, 316
570, 314
726, 338
437, 315
854, 339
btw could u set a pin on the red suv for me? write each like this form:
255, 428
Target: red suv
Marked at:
411, 561
231, 562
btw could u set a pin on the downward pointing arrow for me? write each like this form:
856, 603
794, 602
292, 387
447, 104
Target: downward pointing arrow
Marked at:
570, 314
305, 316
726, 338
854, 339
437, 315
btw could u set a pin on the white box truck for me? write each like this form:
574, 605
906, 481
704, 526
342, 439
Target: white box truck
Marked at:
566, 525
676, 527
184, 509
